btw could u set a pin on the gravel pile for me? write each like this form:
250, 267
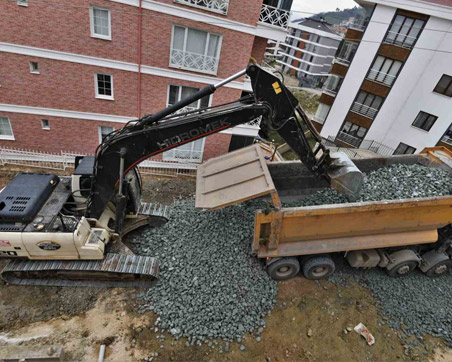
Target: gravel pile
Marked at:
210, 286
416, 303
390, 183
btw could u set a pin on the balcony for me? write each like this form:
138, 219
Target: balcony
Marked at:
364, 110
381, 77
217, 6
346, 52
274, 16
332, 85
360, 23
193, 61
447, 139
351, 140
399, 39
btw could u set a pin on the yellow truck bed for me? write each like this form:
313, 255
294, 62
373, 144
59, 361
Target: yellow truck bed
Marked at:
344, 227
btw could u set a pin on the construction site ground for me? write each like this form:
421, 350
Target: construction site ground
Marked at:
312, 321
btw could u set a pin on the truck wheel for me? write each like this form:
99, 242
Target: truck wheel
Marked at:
318, 267
439, 269
403, 269
284, 268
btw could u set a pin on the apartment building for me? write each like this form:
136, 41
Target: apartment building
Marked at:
73, 71
308, 51
390, 86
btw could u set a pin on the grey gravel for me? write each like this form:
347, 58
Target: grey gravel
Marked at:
416, 303
210, 286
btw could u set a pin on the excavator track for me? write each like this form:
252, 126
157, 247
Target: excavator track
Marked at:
115, 270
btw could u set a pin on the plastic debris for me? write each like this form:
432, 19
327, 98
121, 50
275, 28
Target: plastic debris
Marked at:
363, 331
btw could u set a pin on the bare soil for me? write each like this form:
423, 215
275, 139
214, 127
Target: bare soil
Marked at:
310, 322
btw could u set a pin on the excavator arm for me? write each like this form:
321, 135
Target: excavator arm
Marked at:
153, 134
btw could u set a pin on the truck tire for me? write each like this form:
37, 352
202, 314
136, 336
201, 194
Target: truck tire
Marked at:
318, 267
402, 269
284, 268
439, 269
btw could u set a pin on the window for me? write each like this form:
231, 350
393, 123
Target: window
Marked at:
352, 133
404, 149
424, 121
22, 2
177, 93
195, 50
404, 31
45, 124
193, 151
444, 85
6, 132
104, 86
384, 70
322, 113
104, 131
100, 21
34, 67
367, 104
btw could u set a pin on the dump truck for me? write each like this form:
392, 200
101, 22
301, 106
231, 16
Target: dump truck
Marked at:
398, 235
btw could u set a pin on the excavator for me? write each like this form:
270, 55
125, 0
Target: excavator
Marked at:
61, 230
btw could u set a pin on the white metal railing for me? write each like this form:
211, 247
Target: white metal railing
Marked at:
364, 110
400, 39
360, 23
351, 140
183, 156
193, 61
330, 92
64, 160
381, 77
274, 16
218, 6
447, 139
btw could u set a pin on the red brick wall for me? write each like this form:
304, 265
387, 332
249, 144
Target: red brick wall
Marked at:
67, 28
259, 46
70, 86
76, 135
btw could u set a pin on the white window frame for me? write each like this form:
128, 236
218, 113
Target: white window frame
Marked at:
45, 127
99, 131
8, 137
220, 44
170, 154
96, 88
91, 21
32, 69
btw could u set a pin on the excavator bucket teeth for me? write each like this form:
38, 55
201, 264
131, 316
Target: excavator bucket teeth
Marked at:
344, 176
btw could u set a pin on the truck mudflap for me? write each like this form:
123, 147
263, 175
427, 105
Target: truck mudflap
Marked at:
115, 270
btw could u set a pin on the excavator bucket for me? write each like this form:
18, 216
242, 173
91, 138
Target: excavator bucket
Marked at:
344, 176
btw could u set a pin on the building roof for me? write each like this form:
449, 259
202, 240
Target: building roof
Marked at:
320, 25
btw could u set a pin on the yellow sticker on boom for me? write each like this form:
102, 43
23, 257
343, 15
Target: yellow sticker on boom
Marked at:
277, 87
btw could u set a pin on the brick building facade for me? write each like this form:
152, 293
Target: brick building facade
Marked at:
73, 71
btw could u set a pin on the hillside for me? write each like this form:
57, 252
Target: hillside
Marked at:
336, 17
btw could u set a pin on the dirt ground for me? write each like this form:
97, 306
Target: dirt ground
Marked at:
312, 321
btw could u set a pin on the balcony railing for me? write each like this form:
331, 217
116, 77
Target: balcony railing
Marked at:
346, 52
218, 6
274, 16
351, 140
381, 77
399, 39
193, 61
318, 119
364, 110
181, 155
447, 139
360, 23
